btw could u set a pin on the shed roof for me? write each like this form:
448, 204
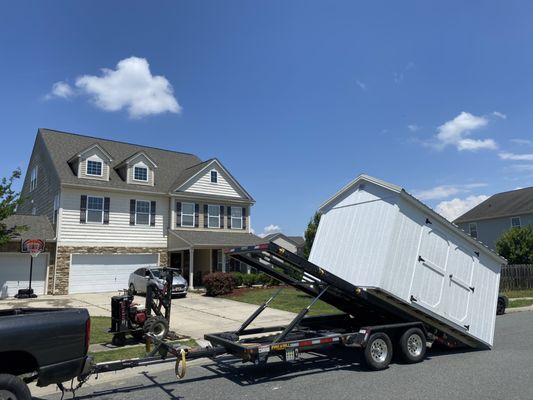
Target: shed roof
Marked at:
506, 204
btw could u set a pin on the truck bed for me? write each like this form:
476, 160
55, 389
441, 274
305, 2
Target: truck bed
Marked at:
368, 303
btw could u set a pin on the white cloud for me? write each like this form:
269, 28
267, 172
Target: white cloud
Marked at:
131, 86
456, 207
453, 133
499, 114
413, 127
516, 157
476, 144
444, 191
522, 167
60, 89
526, 142
361, 84
270, 229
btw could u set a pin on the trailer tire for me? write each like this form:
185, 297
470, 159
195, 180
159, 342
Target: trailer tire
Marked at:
157, 326
119, 339
378, 351
500, 308
413, 345
13, 388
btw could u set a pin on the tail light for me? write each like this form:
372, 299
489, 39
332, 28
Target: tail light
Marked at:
87, 334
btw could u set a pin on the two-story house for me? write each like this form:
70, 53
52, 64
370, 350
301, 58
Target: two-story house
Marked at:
117, 207
490, 219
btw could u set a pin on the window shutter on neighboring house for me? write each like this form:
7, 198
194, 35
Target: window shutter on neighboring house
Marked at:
178, 213
132, 212
196, 214
152, 213
83, 209
206, 216
229, 218
107, 202
221, 217
244, 218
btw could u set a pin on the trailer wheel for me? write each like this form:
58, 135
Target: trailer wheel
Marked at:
378, 351
413, 345
13, 388
157, 326
119, 339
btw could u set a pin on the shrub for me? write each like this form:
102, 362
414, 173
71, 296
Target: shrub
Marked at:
237, 276
516, 245
267, 280
249, 280
219, 283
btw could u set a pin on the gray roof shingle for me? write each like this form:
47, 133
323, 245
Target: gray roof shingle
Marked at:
38, 226
62, 146
222, 239
515, 202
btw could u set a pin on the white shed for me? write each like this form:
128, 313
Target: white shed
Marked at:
374, 234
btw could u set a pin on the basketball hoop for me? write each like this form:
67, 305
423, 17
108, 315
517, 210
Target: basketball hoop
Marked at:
33, 246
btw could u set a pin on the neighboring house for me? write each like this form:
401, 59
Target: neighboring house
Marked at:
294, 244
118, 206
489, 220
15, 265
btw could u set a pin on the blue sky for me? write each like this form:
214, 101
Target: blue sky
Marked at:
295, 98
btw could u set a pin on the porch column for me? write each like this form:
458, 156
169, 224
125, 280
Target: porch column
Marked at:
223, 258
191, 268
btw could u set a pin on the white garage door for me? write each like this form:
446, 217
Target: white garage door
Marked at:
15, 273
92, 273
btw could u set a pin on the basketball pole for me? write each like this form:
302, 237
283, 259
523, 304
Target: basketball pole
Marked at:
31, 272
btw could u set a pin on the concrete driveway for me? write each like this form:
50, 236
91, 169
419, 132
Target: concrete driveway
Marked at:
192, 316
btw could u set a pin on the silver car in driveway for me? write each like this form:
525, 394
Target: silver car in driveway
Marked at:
138, 281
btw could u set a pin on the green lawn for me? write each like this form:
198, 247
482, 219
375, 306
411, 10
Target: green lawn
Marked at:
519, 303
99, 327
131, 352
519, 293
289, 300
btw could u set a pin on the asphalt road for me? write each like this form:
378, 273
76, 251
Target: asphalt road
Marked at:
506, 372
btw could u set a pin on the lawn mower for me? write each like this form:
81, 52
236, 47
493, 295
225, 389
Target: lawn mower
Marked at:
132, 318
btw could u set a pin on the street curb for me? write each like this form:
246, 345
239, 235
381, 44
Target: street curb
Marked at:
518, 309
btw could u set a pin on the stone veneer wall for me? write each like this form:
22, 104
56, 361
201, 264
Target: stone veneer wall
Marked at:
64, 252
50, 248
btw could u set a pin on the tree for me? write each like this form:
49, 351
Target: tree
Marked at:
9, 200
516, 245
310, 233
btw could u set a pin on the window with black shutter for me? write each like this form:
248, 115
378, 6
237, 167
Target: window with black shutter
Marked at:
178, 213
83, 209
107, 202
152, 213
221, 217
132, 212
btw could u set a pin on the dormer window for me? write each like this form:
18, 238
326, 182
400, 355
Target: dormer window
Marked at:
140, 174
94, 168
214, 176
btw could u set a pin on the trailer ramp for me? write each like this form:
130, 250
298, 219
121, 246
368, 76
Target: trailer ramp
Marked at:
368, 303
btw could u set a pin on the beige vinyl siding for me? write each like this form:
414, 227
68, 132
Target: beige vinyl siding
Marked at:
118, 232
204, 185
201, 216
149, 182
47, 183
82, 170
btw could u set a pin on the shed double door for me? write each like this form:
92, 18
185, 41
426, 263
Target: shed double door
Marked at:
442, 279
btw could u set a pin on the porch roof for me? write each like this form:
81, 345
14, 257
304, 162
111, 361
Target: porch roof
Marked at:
214, 239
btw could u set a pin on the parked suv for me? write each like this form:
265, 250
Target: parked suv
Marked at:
138, 281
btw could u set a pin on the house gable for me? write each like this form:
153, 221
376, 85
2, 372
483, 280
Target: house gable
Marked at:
79, 162
200, 182
126, 169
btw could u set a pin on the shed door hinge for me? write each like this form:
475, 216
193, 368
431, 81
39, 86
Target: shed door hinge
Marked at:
420, 259
428, 221
413, 298
472, 288
476, 253
467, 327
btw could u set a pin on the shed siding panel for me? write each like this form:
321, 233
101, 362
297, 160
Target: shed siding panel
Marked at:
118, 232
